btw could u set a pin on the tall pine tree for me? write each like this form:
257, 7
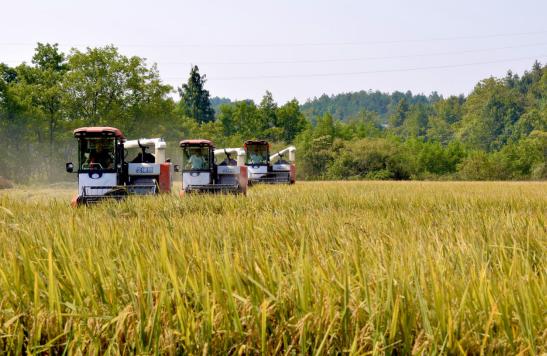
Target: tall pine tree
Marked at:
194, 99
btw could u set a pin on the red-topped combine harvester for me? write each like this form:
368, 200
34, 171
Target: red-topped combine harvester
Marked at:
103, 171
278, 168
202, 174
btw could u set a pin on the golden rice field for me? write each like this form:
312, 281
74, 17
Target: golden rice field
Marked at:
315, 268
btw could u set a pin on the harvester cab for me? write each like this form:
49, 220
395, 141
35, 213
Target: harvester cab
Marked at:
104, 173
201, 173
278, 168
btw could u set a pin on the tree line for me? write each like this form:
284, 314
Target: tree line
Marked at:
499, 131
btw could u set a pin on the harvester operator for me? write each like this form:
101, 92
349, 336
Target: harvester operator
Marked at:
196, 161
100, 158
256, 158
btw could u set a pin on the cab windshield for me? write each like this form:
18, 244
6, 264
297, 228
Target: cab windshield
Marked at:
257, 154
97, 153
195, 158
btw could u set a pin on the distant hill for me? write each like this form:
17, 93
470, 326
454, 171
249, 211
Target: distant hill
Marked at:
217, 101
346, 105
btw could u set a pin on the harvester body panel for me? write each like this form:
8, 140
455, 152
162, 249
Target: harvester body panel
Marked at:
143, 169
195, 178
257, 171
281, 167
94, 183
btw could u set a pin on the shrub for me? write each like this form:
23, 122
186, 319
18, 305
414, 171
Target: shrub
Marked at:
480, 165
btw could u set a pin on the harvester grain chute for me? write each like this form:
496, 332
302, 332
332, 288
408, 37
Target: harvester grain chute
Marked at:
202, 174
278, 168
103, 171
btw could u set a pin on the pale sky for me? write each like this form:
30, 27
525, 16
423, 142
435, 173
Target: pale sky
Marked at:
295, 49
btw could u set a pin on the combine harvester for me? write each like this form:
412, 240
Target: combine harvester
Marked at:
201, 173
104, 173
274, 169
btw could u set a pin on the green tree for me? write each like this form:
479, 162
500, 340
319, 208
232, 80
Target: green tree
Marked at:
535, 117
316, 155
226, 116
45, 86
439, 130
525, 158
365, 124
399, 116
370, 158
268, 108
425, 159
291, 120
18, 127
246, 119
326, 127
490, 113
442, 122
415, 123
104, 87
38, 93
194, 98
7, 75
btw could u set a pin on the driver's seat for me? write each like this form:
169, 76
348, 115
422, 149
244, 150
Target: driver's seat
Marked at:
144, 158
